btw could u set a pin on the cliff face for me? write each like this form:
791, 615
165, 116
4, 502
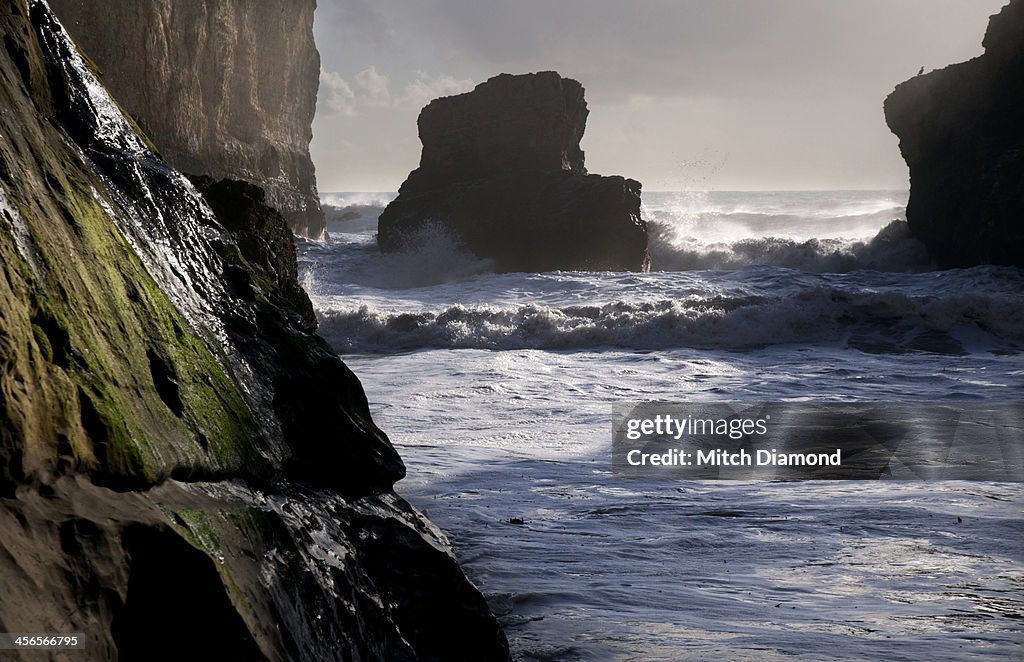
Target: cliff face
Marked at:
224, 88
502, 170
962, 135
178, 452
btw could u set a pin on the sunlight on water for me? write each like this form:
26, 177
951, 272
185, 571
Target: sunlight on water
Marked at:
498, 391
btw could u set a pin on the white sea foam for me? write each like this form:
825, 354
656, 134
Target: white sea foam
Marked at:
891, 249
353, 212
821, 232
779, 296
833, 232
881, 321
791, 286
353, 258
362, 198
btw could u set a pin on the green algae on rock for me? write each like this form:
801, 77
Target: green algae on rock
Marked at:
178, 451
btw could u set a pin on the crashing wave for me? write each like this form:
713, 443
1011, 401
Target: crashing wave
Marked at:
892, 249
873, 321
437, 258
720, 239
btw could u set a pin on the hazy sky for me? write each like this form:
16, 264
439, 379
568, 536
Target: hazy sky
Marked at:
683, 94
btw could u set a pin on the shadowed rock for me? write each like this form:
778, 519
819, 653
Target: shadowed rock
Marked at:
180, 456
266, 255
530, 123
502, 170
961, 132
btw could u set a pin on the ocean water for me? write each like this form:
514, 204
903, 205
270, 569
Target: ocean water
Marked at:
498, 391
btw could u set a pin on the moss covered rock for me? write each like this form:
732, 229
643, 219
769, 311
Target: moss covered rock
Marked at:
179, 452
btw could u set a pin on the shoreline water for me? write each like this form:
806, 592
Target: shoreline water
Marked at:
498, 390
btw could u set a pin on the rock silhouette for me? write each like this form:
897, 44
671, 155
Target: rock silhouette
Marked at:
503, 172
961, 131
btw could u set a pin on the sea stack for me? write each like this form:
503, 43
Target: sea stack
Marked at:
217, 92
502, 171
961, 131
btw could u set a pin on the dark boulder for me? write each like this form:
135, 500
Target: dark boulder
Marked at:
529, 123
961, 132
266, 250
502, 171
531, 221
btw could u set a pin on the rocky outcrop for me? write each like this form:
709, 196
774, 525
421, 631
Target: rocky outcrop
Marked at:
962, 135
178, 452
225, 88
531, 123
265, 260
502, 171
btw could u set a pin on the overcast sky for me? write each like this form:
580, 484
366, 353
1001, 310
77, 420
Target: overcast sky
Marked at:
683, 94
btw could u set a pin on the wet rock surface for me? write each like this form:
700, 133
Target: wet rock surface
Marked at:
223, 88
178, 451
225, 571
265, 257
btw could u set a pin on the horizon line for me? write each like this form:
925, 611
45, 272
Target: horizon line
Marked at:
708, 190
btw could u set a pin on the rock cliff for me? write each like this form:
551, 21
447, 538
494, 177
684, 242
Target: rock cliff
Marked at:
961, 131
185, 469
502, 170
226, 88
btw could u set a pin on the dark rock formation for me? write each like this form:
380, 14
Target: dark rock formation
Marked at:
961, 131
180, 457
502, 170
225, 88
530, 123
266, 250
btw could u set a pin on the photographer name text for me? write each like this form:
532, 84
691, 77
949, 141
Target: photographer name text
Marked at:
722, 458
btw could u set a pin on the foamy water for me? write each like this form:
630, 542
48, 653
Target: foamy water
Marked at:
498, 391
